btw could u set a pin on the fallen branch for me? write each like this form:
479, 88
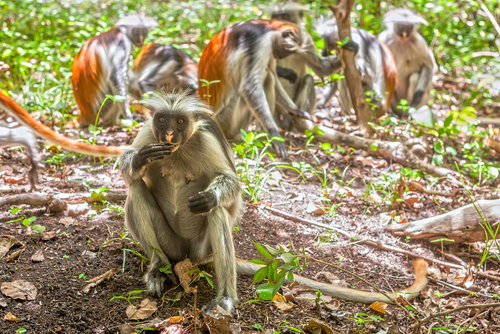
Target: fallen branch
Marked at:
392, 151
461, 225
381, 245
495, 145
418, 326
417, 186
53, 199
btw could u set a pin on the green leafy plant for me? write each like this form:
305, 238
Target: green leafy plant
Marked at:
128, 298
166, 270
26, 221
201, 274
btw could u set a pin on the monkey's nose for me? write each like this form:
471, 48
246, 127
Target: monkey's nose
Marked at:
170, 134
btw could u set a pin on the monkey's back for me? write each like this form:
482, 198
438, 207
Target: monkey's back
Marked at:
90, 74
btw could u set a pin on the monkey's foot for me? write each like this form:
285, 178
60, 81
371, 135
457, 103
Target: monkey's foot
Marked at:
226, 303
155, 280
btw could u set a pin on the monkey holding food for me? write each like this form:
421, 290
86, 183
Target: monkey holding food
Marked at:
414, 59
101, 68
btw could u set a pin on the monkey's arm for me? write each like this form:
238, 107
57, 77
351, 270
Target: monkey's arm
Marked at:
284, 100
120, 77
423, 83
144, 150
222, 191
286, 73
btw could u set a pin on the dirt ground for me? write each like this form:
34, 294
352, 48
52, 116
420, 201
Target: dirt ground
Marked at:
80, 250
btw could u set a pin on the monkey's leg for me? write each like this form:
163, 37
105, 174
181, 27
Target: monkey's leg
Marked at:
305, 98
147, 224
220, 238
255, 97
280, 115
121, 81
419, 87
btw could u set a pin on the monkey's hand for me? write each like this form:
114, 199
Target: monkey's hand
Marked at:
203, 202
417, 97
301, 114
351, 46
148, 154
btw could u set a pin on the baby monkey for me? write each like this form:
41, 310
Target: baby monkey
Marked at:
184, 194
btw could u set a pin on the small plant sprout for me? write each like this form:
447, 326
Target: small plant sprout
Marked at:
206, 83
258, 327
26, 221
441, 240
317, 300
166, 270
201, 274
21, 330
130, 296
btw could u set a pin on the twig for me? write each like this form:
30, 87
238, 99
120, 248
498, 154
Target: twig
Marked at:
455, 258
195, 312
490, 16
444, 313
380, 245
471, 320
449, 285
429, 331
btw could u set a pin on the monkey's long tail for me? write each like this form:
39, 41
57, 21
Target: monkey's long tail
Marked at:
420, 266
45, 132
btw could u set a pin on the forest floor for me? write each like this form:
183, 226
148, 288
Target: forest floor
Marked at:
76, 247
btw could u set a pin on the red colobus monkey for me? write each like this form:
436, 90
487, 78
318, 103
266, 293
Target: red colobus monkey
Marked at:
101, 66
414, 60
374, 62
302, 91
162, 67
243, 57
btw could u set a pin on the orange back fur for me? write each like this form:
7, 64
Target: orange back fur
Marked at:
88, 73
390, 74
213, 61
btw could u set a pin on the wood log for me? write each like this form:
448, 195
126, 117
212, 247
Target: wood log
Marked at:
461, 225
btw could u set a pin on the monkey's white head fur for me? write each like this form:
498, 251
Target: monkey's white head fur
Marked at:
326, 26
177, 102
403, 16
289, 11
137, 20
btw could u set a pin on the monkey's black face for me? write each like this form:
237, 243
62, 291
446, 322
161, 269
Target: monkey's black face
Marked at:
403, 30
138, 36
171, 129
281, 16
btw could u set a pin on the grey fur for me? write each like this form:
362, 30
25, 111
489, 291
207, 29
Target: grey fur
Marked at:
157, 212
414, 59
23, 135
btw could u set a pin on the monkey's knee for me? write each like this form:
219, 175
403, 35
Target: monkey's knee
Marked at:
412, 85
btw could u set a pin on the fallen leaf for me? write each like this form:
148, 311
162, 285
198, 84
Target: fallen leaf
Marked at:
333, 306
317, 327
374, 198
410, 202
175, 320
19, 289
46, 236
280, 302
143, 311
6, 169
6, 243
274, 179
10, 317
13, 179
67, 221
309, 299
329, 277
181, 270
313, 208
97, 280
38, 256
372, 162
14, 255
386, 218
337, 190
3, 302
217, 325
379, 307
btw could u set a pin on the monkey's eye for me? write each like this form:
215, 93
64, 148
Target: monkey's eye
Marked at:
180, 121
162, 120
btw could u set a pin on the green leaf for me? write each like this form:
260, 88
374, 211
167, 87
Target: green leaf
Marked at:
135, 292
278, 138
260, 275
437, 159
26, 222
263, 251
13, 221
451, 150
272, 250
374, 147
250, 137
438, 146
448, 120
259, 261
264, 291
288, 257
32, 219
166, 269
15, 210
326, 146
38, 228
